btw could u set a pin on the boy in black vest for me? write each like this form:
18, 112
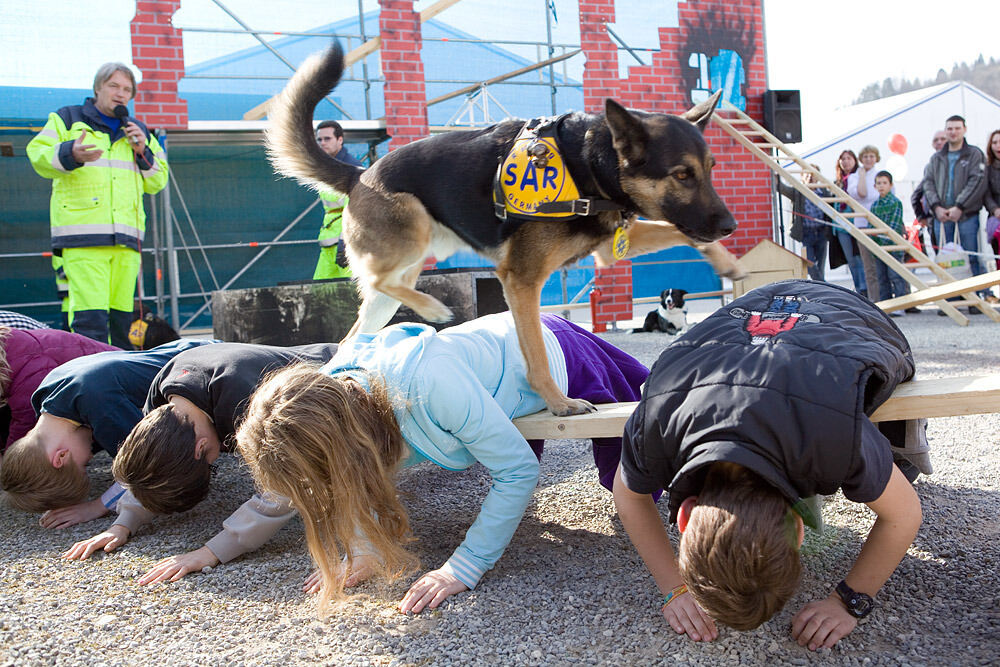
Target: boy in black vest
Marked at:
752, 413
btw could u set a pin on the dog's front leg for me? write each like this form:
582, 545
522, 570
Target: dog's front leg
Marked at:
524, 300
647, 236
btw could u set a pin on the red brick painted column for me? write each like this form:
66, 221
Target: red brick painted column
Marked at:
158, 50
611, 298
403, 69
600, 73
601, 81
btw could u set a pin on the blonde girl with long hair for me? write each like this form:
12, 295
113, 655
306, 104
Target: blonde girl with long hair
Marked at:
333, 440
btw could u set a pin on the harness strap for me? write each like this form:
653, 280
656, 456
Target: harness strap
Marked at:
579, 206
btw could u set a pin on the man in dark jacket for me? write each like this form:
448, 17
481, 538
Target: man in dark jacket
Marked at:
954, 186
756, 409
917, 201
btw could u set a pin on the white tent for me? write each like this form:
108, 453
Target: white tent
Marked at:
914, 116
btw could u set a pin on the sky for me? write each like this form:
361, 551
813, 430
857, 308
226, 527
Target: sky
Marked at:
832, 56
828, 55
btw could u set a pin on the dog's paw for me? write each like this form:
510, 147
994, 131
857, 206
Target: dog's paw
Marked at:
572, 406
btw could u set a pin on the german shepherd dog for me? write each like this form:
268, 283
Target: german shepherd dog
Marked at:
435, 196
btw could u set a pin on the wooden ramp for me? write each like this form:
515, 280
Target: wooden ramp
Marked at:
942, 397
769, 149
941, 291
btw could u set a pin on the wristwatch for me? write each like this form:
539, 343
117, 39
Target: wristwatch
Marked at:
858, 605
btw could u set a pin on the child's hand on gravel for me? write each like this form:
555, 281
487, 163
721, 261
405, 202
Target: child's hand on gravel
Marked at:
361, 571
175, 567
686, 617
109, 540
431, 590
822, 623
64, 517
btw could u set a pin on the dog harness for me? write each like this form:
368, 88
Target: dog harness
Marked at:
532, 182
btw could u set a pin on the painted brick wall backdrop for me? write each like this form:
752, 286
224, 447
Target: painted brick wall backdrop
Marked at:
705, 27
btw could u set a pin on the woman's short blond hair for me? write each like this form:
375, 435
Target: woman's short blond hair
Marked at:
870, 149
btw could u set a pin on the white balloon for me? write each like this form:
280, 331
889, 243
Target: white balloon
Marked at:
896, 165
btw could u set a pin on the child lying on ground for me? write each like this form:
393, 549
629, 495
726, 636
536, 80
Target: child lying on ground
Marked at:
83, 406
760, 406
332, 441
193, 407
26, 357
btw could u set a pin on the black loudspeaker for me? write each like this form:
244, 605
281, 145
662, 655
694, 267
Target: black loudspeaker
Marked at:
783, 115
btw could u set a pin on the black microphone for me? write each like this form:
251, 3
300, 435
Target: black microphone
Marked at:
121, 113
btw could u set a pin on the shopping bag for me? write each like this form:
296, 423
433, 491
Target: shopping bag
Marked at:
953, 259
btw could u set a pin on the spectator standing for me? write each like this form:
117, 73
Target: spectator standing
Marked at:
100, 165
332, 260
954, 185
992, 196
847, 164
810, 226
890, 210
917, 201
861, 186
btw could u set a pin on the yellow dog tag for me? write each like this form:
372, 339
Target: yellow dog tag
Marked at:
620, 243
137, 333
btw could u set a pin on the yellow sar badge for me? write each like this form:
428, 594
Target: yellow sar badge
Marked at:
525, 186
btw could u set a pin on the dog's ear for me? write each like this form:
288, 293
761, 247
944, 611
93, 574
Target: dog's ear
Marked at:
628, 135
702, 113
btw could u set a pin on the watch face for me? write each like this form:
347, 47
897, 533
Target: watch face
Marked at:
861, 605
858, 605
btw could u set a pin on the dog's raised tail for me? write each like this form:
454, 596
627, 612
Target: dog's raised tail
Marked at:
291, 140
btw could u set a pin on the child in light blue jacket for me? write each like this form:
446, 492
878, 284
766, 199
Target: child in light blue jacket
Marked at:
333, 440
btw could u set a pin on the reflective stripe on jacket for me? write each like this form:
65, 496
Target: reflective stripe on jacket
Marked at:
98, 203
333, 213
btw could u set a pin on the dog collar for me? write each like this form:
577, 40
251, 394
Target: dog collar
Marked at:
532, 181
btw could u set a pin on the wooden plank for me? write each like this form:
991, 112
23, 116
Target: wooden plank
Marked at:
607, 422
941, 291
435, 9
940, 397
502, 77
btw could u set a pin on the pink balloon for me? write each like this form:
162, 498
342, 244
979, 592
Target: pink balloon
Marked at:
898, 144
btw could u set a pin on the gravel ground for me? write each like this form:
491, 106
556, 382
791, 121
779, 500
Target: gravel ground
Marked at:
569, 590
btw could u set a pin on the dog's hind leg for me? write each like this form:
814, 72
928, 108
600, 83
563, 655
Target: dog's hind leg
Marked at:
379, 303
374, 313
388, 239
